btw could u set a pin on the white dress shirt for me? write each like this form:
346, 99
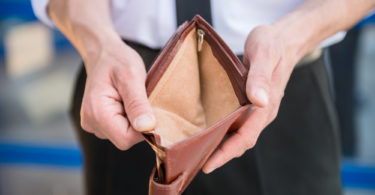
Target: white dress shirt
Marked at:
152, 22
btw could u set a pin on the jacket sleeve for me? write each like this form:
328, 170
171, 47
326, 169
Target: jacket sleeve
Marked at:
40, 11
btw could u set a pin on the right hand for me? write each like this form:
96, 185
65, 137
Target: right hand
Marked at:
115, 104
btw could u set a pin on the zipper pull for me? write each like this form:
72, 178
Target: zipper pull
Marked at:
200, 34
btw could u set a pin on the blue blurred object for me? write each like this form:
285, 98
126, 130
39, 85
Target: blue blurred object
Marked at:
354, 175
16, 9
18, 153
368, 20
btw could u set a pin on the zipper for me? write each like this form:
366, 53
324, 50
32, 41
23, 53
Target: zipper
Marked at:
200, 34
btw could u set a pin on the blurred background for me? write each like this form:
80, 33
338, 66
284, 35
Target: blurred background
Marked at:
39, 153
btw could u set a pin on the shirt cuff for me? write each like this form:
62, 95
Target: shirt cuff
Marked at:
40, 11
333, 39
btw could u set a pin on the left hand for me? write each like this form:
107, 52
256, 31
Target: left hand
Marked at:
271, 64
272, 51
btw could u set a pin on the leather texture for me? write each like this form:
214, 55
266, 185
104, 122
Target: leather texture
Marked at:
179, 161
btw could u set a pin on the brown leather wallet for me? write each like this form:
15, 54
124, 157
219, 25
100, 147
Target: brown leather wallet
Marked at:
196, 87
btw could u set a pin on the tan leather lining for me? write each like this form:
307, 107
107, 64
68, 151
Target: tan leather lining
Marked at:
193, 93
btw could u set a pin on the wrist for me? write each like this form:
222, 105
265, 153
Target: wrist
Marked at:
87, 24
93, 45
296, 35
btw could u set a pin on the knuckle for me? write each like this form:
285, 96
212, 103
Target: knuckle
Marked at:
277, 95
239, 153
265, 51
248, 142
259, 75
83, 112
273, 115
261, 50
274, 112
126, 73
122, 75
262, 79
89, 117
226, 155
258, 79
85, 116
122, 145
135, 105
281, 95
99, 135
84, 124
131, 72
124, 142
86, 109
243, 148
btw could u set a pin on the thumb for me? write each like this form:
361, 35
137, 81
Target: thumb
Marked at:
258, 82
137, 107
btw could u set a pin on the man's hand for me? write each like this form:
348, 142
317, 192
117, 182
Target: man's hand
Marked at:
272, 52
114, 95
270, 69
115, 103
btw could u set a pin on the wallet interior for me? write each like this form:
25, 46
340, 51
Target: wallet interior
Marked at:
193, 93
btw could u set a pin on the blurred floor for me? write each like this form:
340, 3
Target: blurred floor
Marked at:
35, 109
22, 180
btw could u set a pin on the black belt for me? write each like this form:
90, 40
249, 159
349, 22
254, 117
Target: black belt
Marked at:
187, 9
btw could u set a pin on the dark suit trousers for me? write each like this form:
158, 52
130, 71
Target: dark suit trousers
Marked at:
297, 154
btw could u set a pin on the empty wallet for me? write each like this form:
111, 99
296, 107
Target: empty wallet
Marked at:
196, 87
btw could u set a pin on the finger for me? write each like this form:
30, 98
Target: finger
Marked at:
99, 135
121, 134
259, 80
246, 137
133, 93
116, 127
240, 141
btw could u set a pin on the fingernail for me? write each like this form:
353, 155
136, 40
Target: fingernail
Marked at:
262, 96
144, 122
